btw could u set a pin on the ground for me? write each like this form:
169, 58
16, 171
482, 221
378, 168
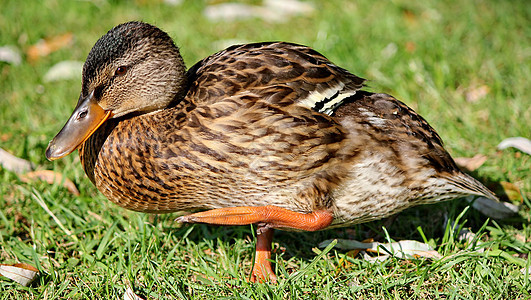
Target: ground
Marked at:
463, 65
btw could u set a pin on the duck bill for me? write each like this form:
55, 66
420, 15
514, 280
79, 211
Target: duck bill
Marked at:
85, 119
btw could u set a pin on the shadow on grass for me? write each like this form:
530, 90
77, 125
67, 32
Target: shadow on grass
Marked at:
403, 226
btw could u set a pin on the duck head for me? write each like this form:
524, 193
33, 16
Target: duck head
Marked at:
134, 68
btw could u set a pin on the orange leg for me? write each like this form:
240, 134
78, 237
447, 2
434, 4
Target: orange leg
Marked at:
262, 270
267, 218
270, 216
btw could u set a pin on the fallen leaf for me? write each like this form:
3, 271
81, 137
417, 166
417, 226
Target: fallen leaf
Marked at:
520, 237
521, 143
10, 54
526, 270
50, 177
173, 2
431, 15
49, 45
389, 50
410, 17
95, 216
512, 191
289, 7
476, 93
466, 235
231, 12
493, 209
484, 115
222, 44
5, 137
374, 259
130, 295
471, 163
403, 249
14, 164
64, 70
21, 273
272, 11
411, 46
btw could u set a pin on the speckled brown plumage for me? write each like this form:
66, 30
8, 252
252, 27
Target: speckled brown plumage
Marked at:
266, 124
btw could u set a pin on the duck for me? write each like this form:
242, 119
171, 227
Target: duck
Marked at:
272, 134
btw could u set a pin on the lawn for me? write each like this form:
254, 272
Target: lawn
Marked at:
463, 65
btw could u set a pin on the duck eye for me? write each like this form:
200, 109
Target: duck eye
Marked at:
120, 71
82, 115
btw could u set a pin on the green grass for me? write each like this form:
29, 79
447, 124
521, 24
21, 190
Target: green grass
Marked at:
428, 54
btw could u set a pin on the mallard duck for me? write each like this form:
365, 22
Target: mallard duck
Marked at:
272, 134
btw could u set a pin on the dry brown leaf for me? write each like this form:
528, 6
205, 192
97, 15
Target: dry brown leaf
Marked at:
10, 54
14, 164
403, 249
374, 259
64, 70
512, 191
173, 2
130, 295
471, 163
271, 10
466, 235
50, 177
521, 143
95, 216
49, 45
410, 17
4, 137
21, 273
520, 237
484, 115
476, 93
411, 46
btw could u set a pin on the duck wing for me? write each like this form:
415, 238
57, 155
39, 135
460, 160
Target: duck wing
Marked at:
317, 83
264, 139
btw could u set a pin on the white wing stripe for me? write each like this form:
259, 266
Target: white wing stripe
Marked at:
331, 106
328, 100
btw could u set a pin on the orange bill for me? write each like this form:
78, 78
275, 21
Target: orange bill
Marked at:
85, 119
